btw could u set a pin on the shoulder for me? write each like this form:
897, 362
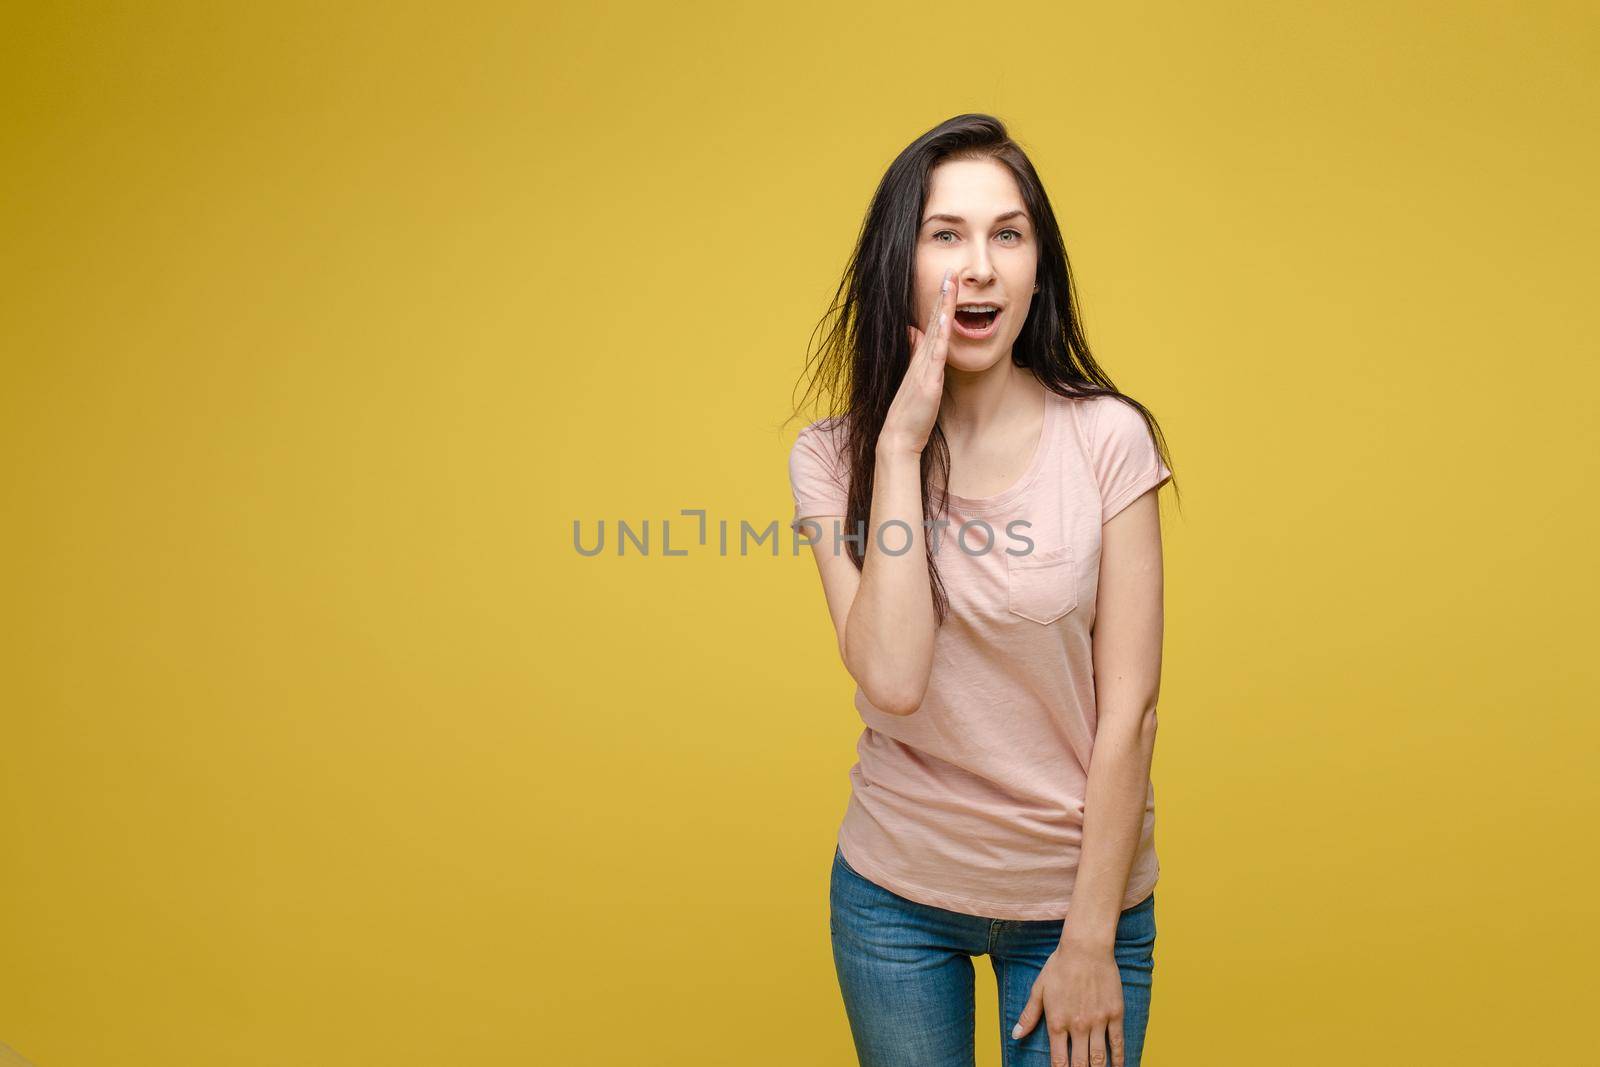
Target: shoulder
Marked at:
1103, 420
830, 427
1112, 416
818, 451
824, 438
1122, 452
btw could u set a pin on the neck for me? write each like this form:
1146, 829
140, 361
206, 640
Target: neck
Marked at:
974, 403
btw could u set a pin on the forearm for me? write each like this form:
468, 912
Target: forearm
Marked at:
1113, 820
889, 635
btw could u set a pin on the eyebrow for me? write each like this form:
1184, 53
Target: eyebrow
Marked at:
961, 221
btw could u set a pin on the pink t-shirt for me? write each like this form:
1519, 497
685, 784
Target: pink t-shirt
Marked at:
975, 802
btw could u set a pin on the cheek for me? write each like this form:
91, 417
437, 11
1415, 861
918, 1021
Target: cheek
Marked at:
1021, 270
927, 295
927, 285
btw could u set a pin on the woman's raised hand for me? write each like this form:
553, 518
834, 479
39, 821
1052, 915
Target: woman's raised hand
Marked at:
915, 407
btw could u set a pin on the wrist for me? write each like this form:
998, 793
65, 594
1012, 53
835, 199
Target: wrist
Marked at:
1088, 934
1087, 942
895, 449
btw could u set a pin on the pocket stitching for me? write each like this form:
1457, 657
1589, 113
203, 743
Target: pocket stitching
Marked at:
1036, 566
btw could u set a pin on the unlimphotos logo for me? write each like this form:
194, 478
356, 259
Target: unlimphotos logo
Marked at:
974, 537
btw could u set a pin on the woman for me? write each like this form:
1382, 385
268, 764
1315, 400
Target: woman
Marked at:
984, 520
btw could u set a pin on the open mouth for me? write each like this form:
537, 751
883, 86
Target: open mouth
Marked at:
976, 324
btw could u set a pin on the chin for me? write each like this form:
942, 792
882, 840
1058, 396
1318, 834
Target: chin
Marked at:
973, 362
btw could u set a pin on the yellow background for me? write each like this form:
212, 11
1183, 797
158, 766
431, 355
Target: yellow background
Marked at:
321, 743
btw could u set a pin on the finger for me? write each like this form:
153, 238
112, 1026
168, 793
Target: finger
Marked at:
939, 342
1097, 1049
938, 305
1114, 1036
947, 314
922, 341
1030, 1013
1029, 1017
1058, 1048
944, 294
926, 368
948, 296
1080, 1048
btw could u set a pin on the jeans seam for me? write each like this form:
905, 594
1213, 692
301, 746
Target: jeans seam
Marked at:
1005, 1016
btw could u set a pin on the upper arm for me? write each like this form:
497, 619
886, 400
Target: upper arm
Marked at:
820, 487
840, 578
1128, 611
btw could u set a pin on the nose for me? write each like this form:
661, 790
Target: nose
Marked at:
978, 271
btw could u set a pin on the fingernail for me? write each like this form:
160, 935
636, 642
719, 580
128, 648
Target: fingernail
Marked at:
1016, 1031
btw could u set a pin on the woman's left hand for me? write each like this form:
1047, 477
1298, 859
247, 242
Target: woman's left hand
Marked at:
1079, 992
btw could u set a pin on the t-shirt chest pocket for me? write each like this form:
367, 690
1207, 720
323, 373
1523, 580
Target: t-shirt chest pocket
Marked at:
1042, 586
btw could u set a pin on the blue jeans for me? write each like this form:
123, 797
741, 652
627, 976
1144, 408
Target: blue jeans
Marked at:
905, 970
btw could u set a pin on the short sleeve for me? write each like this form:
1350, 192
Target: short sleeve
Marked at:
1126, 464
817, 477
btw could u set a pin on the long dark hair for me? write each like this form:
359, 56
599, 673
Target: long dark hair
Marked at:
865, 352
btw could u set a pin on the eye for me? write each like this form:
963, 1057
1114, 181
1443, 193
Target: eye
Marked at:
1016, 235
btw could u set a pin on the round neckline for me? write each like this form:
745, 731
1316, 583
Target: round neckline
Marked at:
1021, 485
